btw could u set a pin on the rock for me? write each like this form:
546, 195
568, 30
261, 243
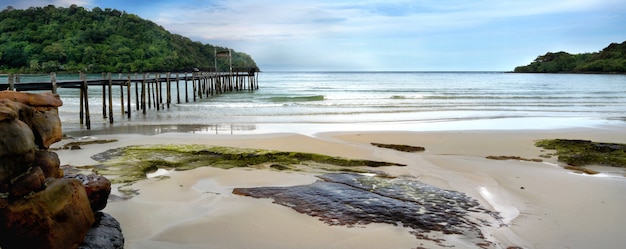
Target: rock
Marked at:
38, 111
97, 188
106, 233
17, 151
400, 147
44, 99
46, 126
49, 163
353, 199
33, 181
57, 217
514, 158
9, 109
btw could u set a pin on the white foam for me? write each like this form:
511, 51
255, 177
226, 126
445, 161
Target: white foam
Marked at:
508, 212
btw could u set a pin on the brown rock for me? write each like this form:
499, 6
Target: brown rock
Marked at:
17, 150
46, 126
9, 109
33, 181
57, 217
49, 163
97, 188
38, 111
44, 99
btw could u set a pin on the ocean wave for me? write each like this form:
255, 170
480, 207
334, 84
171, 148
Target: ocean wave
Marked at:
297, 98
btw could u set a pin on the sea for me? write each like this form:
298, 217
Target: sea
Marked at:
313, 102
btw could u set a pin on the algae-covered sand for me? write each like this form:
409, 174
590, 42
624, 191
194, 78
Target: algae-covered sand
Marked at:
577, 153
132, 163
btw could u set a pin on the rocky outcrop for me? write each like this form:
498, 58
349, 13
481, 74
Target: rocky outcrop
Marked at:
357, 199
39, 207
57, 217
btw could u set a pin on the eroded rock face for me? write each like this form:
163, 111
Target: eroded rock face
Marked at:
353, 199
57, 217
38, 207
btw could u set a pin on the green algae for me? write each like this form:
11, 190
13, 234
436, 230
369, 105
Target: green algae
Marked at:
400, 147
132, 163
76, 145
585, 152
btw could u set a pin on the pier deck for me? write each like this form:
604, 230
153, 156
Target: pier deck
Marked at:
150, 89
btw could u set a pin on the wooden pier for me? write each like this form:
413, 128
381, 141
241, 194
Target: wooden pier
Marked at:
151, 90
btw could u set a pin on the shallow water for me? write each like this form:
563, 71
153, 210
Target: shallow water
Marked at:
324, 101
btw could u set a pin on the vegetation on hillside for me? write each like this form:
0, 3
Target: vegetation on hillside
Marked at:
46, 39
612, 59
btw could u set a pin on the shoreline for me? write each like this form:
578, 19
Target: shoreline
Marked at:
311, 129
196, 209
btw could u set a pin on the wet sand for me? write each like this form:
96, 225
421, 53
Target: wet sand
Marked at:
542, 204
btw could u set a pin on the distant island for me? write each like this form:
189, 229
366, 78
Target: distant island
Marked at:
611, 59
51, 39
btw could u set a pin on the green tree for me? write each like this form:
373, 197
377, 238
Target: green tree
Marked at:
41, 39
611, 59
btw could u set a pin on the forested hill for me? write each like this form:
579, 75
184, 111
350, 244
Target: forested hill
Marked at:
612, 59
46, 39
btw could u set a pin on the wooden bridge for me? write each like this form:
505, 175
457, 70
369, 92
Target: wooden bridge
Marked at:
150, 89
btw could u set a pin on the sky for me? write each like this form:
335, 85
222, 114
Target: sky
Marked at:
382, 35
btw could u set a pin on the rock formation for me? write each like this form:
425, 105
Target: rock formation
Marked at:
356, 199
39, 208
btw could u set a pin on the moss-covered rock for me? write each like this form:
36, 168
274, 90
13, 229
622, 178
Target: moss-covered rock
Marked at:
585, 152
400, 147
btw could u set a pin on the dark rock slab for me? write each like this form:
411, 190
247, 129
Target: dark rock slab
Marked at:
106, 233
356, 199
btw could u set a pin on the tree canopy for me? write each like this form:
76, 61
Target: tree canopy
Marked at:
46, 39
611, 59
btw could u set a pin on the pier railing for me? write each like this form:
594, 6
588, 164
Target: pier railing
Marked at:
150, 89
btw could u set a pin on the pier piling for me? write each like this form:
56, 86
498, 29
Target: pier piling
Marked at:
148, 89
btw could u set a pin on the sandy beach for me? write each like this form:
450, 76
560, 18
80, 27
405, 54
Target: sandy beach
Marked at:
542, 205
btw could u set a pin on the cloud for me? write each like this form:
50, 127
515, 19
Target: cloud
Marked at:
384, 34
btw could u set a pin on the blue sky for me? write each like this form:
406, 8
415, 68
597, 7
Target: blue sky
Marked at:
383, 35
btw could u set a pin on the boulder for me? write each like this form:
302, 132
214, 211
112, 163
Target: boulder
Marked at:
9, 110
46, 126
97, 188
33, 181
38, 111
57, 217
17, 151
49, 163
105, 234
44, 99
